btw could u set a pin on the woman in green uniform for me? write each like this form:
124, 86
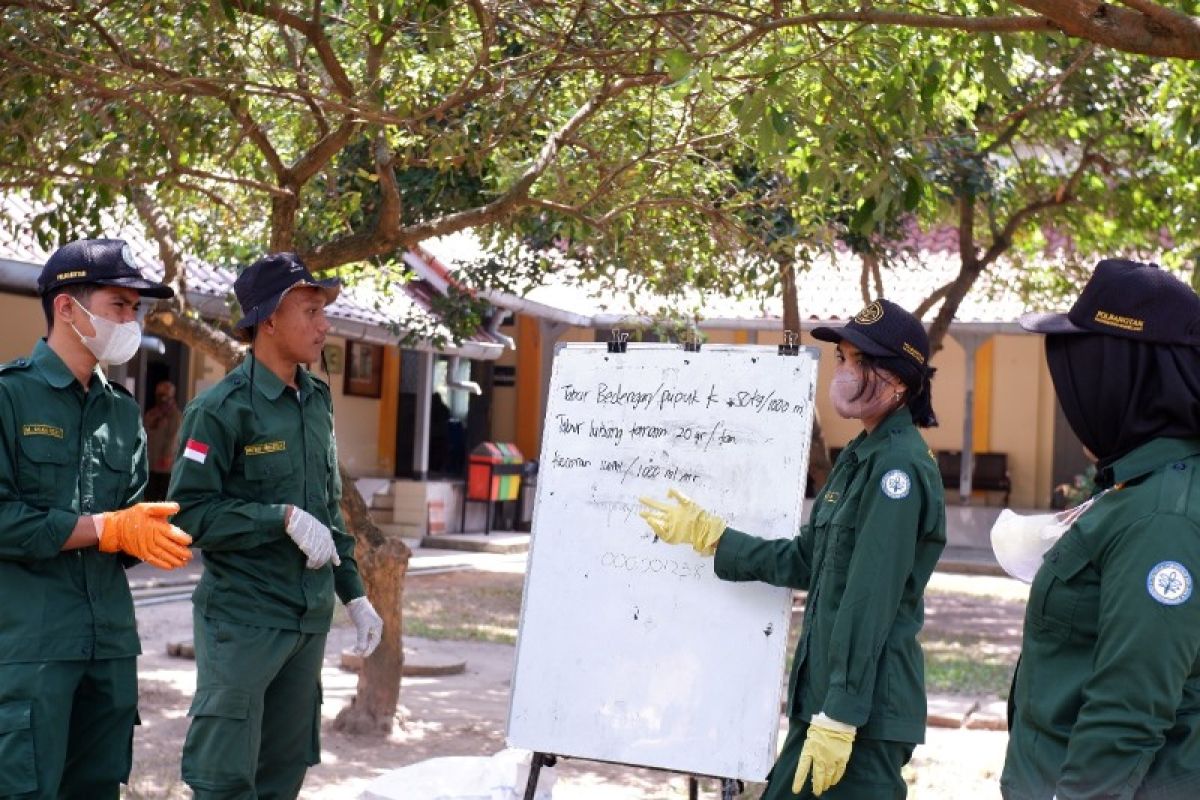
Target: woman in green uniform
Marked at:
1106, 701
856, 694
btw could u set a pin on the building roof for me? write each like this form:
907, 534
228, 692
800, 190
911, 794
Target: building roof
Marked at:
829, 290
362, 312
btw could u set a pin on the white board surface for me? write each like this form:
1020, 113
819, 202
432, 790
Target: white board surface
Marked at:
631, 650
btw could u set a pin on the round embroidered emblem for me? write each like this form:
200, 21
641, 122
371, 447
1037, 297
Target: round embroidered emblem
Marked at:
127, 256
870, 314
1170, 583
896, 484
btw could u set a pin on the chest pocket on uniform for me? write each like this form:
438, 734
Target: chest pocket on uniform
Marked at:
45, 469
114, 479
268, 466
1065, 596
839, 528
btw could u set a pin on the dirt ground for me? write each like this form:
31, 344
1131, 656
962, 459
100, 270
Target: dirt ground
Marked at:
466, 714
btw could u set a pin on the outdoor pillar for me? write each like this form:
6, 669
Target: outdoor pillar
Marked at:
550, 331
970, 343
424, 385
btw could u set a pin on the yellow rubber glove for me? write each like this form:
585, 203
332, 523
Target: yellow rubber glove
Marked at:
683, 522
143, 532
825, 754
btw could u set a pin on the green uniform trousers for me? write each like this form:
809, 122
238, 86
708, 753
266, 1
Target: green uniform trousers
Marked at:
872, 774
66, 728
257, 712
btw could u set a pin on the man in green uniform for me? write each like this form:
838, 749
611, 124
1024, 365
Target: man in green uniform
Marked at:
856, 695
72, 470
1106, 700
258, 484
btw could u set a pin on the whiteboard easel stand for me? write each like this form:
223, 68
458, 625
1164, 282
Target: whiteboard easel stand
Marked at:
730, 787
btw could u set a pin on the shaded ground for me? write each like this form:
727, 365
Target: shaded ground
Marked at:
972, 636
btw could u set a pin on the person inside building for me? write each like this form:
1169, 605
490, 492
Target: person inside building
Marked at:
162, 429
72, 474
856, 695
1106, 699
256, 478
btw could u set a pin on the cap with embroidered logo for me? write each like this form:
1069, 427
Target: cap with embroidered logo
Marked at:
105, 262
882, 329
263, 284
1131, 300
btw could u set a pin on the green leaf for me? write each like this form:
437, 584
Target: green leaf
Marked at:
678, 64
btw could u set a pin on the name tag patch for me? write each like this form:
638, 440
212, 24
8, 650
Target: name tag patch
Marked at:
896, 484
1169, 583
42, 430
263, 448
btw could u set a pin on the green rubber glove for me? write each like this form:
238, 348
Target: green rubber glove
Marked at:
825, 754
683, 522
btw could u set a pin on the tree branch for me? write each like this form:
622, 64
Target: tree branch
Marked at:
1151, 30
311, 30
317, 156
376, 240
1014, 120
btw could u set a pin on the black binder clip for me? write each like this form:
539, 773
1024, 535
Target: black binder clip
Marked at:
790, 346
692, 343
619, 342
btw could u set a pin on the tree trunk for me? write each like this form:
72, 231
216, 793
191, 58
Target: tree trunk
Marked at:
819, 465
383, 563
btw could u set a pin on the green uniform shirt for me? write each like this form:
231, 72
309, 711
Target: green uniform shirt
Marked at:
245, 453
64, 452
874, 535
1107, 695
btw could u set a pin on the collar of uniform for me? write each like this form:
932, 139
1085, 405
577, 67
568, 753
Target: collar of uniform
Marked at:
1151, 456
55, 371
268, 382
865, 444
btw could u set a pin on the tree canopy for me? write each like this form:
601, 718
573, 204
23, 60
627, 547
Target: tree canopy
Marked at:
674, 144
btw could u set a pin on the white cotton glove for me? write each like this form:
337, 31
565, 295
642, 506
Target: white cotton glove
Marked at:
312, 537
368, 623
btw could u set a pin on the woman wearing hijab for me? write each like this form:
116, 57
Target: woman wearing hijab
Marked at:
1106, 701
856, 694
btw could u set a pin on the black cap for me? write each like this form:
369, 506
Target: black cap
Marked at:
263, 284
884, 330
1131, 300
106, 262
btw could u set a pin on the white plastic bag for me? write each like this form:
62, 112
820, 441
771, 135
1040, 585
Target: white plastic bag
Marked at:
499, 777
1020, 541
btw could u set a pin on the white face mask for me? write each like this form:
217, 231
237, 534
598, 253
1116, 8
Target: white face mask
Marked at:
1020, 541
114, 342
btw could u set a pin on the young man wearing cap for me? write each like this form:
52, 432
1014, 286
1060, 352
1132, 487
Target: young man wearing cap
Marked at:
257, 482
72, 470
1106, 699
856, 695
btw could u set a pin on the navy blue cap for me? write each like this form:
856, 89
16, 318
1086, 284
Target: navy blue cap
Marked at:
884, 330
106, 262
1131, 300
263, 284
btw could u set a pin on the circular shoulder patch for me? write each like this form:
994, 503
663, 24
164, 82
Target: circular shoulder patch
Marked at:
896, 484
1170, 583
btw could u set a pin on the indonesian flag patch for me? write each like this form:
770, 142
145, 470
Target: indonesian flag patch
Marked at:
196, 451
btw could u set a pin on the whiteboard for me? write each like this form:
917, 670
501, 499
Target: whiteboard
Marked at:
631, 650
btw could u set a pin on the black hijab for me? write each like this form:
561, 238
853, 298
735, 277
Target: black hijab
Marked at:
920, 391
1118, 393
